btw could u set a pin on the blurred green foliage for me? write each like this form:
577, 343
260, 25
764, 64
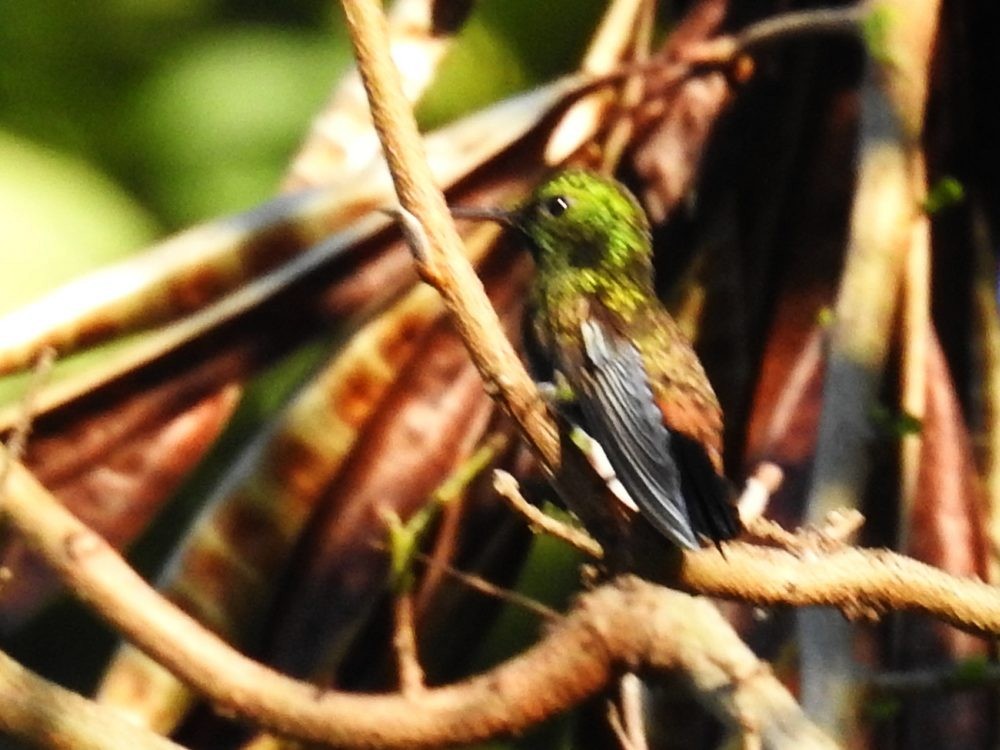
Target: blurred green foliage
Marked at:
122, 120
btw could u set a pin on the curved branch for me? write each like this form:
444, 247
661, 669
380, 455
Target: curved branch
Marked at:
46, 715
861, 583
620, 627
625, 626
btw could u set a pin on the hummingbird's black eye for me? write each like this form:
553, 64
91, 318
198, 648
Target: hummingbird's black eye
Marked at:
556, 206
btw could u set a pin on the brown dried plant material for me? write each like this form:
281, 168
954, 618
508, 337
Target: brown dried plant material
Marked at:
237, 247
669, 158
229, 564
411, 437
379, 276
611, 45
362, 282
579, 134
341, 142
427, 426
675, 124
114, 473
218, 271
339, 303
227, 568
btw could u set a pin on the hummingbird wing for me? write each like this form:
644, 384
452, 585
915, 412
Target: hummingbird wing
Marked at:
618, 406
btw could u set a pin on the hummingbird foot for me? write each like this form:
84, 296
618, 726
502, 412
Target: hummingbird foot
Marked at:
558, 393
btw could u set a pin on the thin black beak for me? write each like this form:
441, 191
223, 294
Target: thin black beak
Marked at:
472, 213
499, 215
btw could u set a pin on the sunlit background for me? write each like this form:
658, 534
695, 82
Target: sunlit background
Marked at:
122, 121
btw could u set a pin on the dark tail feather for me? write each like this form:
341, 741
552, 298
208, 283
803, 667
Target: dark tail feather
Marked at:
709, 497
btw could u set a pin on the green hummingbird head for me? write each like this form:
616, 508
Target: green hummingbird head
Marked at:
581, 219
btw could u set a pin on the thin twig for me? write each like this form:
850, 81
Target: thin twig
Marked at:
404, 641
440, 260
450, 493
947, 679
483, 586
631, 692
727, 50
618, 726
404, 152
506, 487
846, 20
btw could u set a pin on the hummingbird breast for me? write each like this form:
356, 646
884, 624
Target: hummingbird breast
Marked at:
642, 393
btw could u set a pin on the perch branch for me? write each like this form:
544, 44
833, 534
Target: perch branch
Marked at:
619, 627
506, 487
45, 715
859, 582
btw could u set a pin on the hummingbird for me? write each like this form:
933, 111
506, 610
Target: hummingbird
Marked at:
620, 365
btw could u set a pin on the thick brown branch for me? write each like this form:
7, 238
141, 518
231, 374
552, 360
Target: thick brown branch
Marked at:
862, 583
46, 715
618, 627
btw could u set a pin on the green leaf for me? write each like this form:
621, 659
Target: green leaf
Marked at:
826, 316
883, 708
875, 32
945, 193
895, 423
60, 218
972, 671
